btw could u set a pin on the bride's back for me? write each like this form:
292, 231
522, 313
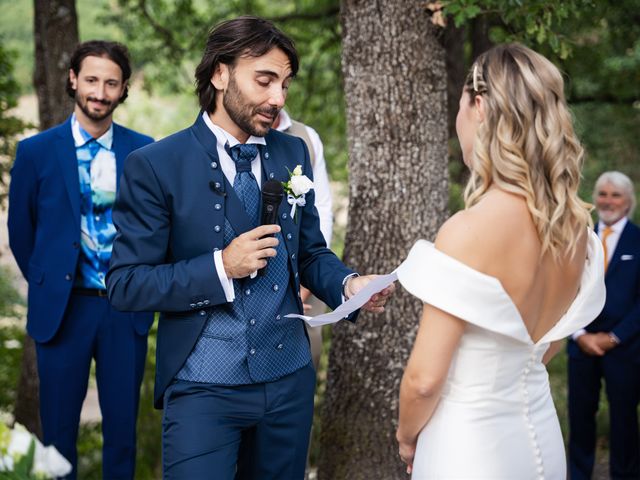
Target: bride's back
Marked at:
502, 242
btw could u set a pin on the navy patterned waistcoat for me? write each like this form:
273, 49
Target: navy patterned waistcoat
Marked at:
244, 341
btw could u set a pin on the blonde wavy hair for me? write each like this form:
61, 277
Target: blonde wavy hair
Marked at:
526, 144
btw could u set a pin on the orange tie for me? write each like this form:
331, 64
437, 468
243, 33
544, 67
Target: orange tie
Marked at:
605, 233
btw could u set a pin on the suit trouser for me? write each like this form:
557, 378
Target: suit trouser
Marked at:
622, 383
258, 431
90, 329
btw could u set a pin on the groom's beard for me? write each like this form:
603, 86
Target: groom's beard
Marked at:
253, 119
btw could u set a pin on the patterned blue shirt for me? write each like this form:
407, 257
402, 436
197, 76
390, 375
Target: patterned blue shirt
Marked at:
97, 173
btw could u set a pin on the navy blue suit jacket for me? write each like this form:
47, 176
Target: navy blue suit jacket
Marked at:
621, 312
44, 221
170, 214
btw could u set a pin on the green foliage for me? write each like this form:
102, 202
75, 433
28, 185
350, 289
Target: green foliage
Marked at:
166, 39
534, 23
11, 338
10, 125
605, 64
22, 467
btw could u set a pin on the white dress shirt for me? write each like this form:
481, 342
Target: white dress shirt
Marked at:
229, 169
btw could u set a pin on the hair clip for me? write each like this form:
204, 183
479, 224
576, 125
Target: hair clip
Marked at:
475, 79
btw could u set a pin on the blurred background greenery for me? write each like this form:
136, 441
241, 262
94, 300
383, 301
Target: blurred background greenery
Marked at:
596, 45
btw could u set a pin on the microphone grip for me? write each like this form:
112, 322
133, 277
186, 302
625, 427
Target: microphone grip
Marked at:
268, 216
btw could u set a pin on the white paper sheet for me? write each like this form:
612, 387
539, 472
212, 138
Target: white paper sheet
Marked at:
354, 303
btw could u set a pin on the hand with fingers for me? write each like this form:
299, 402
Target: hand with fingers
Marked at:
589, 343
249, 252
377, 302
407, 451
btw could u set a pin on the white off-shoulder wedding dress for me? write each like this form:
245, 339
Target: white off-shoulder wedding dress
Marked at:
496, 419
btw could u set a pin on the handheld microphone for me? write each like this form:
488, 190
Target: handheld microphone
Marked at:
272, 194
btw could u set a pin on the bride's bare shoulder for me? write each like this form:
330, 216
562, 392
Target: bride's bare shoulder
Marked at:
475, 235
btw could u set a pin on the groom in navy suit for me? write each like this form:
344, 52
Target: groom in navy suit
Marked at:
63, 185
609, 348
234, 374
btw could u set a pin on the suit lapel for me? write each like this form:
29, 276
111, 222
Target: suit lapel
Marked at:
234, 211
65, 151
121, 148
622, 247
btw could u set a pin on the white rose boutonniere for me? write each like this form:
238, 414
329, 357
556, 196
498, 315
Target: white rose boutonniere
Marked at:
296, 188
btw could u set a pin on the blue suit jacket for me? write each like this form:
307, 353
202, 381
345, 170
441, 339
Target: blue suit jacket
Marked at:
621, 312
170, 214
44, 221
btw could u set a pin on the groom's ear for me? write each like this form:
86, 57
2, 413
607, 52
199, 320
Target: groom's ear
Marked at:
220, 77
480, 107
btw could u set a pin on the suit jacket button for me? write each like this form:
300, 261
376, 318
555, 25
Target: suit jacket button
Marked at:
272, 175
284, 216
217, 229
252, 321
278, 317
266, 154
293, 256
214, 165
202, 313
289, 236
192, 305
280, 346
67, 277
217, 206
206, 302
252, 351
276, 288
200, 304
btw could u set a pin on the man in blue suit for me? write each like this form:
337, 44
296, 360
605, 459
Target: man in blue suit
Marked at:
234, 374
63, 186
609, 348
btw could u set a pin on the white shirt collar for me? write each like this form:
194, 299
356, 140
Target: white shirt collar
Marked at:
223, 137
285, 121
616, 227
81, 137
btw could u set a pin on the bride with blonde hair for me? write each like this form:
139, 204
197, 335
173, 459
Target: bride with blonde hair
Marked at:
507, 278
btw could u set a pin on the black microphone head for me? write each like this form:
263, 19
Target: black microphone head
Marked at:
273, 189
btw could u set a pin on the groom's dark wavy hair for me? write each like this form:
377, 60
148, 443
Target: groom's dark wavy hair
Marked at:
230, 40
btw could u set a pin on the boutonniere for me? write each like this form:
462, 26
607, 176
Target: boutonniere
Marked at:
296, 188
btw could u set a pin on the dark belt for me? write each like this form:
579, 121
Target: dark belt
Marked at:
89, 292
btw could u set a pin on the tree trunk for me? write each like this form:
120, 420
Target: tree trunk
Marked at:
56, 36
454, 40
396, 95
480, 41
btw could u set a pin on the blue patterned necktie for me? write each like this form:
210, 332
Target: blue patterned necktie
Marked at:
245, 183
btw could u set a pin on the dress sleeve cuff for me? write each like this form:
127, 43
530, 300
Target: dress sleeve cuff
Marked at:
227, 283
578, 334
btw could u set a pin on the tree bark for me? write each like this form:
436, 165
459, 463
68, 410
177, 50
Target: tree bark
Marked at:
396, 97
454, 40
480, 41
56, 36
